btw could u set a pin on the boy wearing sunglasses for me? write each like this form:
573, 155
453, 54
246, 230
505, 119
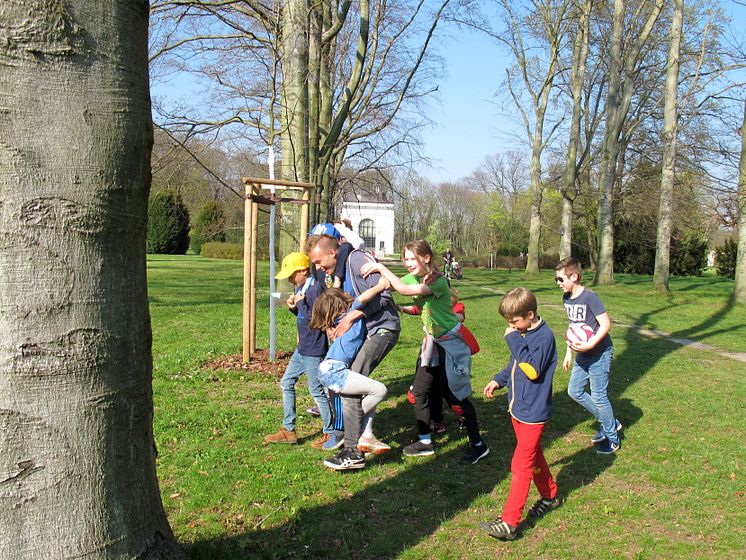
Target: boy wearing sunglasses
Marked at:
592, 357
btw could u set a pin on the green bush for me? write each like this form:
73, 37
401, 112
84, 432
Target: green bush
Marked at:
725, 258
215, 250
688, 256
634, 249
168, 224
209, 225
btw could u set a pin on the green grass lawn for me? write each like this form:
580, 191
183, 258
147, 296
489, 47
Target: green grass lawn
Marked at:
675, 490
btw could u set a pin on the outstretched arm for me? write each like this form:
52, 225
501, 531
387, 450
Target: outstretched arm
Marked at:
370, 293
404, 289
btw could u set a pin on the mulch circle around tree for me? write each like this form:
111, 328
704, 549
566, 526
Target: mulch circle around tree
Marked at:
259, 363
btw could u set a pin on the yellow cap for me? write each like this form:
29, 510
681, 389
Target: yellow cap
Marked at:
291, 263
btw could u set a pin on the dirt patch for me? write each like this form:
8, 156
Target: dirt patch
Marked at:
259, 363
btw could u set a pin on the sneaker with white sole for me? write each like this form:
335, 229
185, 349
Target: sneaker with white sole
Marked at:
371, 444
474, 453
347, 459
600, 436
499, 529
418, 449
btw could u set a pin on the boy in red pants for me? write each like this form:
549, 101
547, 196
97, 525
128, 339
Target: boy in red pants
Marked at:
528, 377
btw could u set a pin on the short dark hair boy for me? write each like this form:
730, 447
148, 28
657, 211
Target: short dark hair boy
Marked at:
528, 377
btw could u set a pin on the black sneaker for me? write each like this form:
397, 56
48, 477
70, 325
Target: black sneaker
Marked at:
474, 453
543, 506
500, 530
347, 459
418, 449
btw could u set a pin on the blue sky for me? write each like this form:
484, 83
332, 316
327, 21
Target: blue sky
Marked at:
468, 126
471, 122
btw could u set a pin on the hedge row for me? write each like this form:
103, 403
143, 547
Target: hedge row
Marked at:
215, 250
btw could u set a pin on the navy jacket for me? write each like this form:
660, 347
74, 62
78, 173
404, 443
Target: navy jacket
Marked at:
529, 374
311, 342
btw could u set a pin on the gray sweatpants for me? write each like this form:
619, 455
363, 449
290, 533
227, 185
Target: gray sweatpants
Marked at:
371, 354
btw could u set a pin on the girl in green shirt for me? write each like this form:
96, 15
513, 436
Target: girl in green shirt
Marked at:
445, 359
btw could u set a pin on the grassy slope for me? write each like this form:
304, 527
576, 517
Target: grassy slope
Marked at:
675, 490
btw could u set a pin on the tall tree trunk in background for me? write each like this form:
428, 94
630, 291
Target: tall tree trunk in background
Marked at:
618, 99
538, 85
569, 188
605, 251
739, 288
295, 52
295, 114
76, 407
536, 193
670, 129
315, 70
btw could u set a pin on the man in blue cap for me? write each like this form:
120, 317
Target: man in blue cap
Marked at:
382, 324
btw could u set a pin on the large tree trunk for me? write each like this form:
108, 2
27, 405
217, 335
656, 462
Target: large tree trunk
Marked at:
605, 264
536, 194
295, 114
670, 114
618, 100
77, 474
295, 53
739, 288
569, 188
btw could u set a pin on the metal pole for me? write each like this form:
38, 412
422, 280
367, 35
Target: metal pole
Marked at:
272, 294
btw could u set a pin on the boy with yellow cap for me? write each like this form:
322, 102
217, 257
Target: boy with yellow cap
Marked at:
308, 355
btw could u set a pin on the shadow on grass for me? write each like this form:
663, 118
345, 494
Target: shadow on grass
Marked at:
697, 331
391, 514
406, 502
398, 511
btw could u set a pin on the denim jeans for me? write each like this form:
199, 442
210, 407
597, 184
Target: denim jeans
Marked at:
594, 369
296, 367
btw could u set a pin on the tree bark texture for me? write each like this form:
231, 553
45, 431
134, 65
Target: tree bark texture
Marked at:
569, 189
670, 113
739, 288
295, 31
623, 58
77, 469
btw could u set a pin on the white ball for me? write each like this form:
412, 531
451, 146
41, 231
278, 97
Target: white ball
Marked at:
578, 332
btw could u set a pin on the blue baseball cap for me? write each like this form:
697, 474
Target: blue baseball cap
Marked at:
325, 229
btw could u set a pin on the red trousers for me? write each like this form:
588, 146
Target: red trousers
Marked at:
528, 464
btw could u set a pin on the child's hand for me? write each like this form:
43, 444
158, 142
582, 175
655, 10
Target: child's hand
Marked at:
581, 346
384, 284
290, 302
490, 388
567, 362
509, 330
369, 268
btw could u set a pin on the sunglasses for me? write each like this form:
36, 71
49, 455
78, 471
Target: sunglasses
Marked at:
560, 280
